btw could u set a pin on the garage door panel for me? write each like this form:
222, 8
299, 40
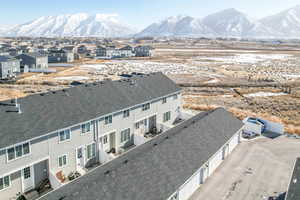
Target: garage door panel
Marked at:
190, 187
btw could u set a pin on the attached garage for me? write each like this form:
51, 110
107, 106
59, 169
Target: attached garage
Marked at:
190, 187
234, 142
215, 161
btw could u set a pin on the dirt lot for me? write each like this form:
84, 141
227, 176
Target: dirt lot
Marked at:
255, 170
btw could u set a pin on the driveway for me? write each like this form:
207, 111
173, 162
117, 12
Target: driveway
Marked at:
255, 170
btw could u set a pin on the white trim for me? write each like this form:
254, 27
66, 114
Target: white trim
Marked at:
10, 183
23, 156
31, 176
66, 160
87, 159
94, 119
130, 133
76, 156
66, 140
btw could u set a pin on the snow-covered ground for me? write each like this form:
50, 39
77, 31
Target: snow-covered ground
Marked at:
265, 94
247, 58
120, 67
72, 78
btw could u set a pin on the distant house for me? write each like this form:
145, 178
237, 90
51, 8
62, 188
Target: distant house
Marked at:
143, 51
34, 60
60, 56
113, 52
293, 192
126, 51
9, 67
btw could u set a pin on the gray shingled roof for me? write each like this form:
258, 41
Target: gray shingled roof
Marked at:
156, 169
294, 187
51, 112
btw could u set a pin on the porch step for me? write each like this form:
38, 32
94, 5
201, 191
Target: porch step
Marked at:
31, 195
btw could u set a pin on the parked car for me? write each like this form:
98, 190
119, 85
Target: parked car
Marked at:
249, 135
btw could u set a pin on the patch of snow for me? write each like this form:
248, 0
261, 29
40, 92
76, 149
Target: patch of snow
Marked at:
265, 94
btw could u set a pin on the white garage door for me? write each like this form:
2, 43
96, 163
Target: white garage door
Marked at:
190, 187
215, 162
233, 143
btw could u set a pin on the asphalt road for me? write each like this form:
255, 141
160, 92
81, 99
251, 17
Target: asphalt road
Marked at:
256, 170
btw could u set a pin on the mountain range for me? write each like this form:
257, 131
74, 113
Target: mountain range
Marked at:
226, 23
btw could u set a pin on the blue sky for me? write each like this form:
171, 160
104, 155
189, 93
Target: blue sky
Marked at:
138, 13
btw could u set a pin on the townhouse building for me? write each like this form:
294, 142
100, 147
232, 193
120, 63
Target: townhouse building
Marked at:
51, 135
172, 166
33, 60
9, 67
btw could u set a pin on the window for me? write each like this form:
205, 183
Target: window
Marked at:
91, 151
4, 182
164, 100
137, 125
64, 135
126, 113
146, 106
108, 119
141, 123
175, 96
125, 135
18, 151
105, 139
86, 127
62, 161
167, 116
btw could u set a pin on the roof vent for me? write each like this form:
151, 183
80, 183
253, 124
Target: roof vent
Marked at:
107, 172
155, 144
167, 137
125, 161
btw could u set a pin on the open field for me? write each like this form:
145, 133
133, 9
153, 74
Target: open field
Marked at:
248, 78
256, 169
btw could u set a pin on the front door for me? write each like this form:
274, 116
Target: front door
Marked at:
152, 122
28, 178
112, 140
80, 157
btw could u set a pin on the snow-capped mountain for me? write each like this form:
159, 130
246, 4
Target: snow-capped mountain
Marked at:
230, 23
284, 24
82, 24
177, 26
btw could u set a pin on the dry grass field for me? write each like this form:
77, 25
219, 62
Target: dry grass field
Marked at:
247, 78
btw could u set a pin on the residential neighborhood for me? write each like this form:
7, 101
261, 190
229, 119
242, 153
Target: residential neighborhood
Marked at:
150, 100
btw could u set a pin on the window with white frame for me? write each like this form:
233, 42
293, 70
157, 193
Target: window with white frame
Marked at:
164, 100
108, 119
85, 128
126, 113
167, 116
125, 135
4, 182
91, 151
141, 123
18, 151
146, 106
62, 161
64, 135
